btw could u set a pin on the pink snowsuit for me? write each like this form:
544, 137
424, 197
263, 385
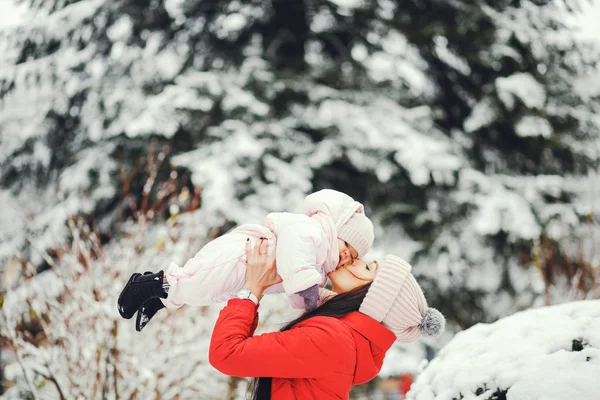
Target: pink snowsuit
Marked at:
305, 246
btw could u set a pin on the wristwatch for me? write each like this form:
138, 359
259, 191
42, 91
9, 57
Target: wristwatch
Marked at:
247, 294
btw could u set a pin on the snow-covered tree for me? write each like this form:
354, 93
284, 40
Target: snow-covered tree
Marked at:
468, 130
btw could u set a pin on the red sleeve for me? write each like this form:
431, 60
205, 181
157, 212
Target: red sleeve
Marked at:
310, 351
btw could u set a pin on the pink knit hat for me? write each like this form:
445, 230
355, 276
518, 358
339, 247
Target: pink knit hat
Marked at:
396, 300
358, 233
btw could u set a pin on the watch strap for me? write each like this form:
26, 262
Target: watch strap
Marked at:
248, 295
253, 298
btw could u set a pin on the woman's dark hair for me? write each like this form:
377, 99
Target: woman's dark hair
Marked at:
338, 306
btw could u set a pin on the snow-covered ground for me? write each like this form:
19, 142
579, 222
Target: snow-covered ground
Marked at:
549, 353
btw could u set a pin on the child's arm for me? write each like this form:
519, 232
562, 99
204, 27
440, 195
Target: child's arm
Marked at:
297, 261
297, 258
311, 297
206, 278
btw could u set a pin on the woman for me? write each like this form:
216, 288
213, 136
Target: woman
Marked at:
323, 353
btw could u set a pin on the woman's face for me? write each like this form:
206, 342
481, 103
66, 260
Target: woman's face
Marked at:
353, 275
347, 253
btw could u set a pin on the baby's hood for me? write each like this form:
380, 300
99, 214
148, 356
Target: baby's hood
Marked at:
372, 340
339, 206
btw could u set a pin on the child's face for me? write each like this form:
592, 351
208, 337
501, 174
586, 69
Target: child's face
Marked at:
347, 253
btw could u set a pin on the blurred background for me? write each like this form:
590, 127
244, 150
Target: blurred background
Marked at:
134, 131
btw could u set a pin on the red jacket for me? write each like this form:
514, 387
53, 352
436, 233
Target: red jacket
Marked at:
319, 358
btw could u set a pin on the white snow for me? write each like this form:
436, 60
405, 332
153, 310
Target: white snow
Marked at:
482, 114
402, 359
529, 354
588, 86
531, 125
228, 25
175, 9
503, 210
161, 113
121, 29
13, 221
12, 14
381, 66
359, 52
348, 4
381, 124
450, 57
322, 21
239, 98
521, 86
587, 20
399, 61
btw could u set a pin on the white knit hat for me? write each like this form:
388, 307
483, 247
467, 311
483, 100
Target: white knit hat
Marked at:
396, 300
358, 233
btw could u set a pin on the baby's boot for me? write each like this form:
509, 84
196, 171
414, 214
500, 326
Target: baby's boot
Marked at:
148, 310
139, 289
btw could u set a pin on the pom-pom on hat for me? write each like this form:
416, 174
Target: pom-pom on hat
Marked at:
396, 300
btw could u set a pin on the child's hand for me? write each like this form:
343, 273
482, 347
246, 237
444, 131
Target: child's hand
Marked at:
311, 297
260, 268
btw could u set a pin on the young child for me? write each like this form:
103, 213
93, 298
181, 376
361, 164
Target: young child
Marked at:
332, 231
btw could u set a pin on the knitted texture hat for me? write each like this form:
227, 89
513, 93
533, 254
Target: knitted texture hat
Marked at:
358, 233
347, 216
396, 300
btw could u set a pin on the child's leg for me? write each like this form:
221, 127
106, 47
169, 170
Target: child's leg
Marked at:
216, 272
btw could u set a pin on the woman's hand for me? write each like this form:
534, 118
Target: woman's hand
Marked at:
260, 268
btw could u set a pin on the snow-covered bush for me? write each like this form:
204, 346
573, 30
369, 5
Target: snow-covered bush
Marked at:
63, 336
550, 353
66, 339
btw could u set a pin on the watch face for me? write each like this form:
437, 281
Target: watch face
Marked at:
243, 294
